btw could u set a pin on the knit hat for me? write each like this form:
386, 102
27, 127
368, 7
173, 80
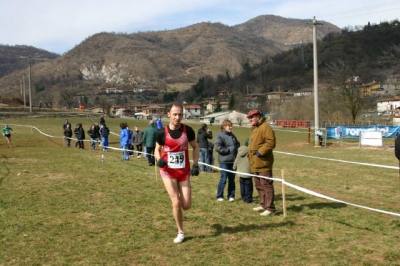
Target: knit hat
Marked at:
246, 142
151, 122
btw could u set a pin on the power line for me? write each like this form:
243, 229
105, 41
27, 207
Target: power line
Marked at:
367, 8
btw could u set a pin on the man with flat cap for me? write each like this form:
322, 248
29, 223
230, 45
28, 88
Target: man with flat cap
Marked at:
261, 158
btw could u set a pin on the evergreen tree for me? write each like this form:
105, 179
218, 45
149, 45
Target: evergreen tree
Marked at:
218, 107
232, 102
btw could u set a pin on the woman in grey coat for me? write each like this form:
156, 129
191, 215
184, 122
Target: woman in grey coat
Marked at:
227, 145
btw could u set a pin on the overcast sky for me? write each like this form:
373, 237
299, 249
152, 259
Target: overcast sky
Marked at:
58, 26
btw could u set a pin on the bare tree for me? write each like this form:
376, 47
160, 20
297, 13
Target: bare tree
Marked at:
341, 75
67, 98
391, 56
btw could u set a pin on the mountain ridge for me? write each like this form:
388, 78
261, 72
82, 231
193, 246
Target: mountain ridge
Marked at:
161, 59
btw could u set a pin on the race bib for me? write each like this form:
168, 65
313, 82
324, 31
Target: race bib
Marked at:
6, 132
176, 160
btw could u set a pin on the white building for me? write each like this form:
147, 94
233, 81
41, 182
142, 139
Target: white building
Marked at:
191, 111
388, 105
235, 117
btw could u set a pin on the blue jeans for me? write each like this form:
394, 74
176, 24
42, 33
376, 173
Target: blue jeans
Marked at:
94, 140
105, 143
204, 159
222, 181
150, 154
125, 155
68, 142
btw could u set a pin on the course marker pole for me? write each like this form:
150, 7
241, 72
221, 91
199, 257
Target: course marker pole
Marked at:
283, 194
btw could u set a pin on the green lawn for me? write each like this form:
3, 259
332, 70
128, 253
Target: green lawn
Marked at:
62, 206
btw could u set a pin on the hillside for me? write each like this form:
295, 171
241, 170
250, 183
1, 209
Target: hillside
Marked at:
13, 58
286, 32
172, 60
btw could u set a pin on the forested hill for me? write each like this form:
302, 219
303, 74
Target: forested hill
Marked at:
292, 70
13, 58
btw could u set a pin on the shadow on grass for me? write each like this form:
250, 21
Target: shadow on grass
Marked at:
290, 197
317, 206
222, 229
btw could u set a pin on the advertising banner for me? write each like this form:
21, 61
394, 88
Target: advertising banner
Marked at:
354, 132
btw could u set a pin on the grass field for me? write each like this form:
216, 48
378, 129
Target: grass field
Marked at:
62, 206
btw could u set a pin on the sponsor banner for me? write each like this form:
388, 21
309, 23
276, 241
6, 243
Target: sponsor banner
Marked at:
354, 132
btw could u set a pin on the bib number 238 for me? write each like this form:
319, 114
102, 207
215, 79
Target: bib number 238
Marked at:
176, 159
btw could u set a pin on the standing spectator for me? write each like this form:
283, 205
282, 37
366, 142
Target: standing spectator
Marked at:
242, 165
203, 134
261, 158
172, 156
102, 120
7, 133
137, 140
124, 141
212, 119
130, 141
210, 153
320, 136
80, 136
76, 133
94, 136
149, 140
66, 123
159, 123
226, 144
68, 135
104, 132
397, 147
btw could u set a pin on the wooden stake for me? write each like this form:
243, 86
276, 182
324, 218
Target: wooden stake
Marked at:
283, 195
155, 170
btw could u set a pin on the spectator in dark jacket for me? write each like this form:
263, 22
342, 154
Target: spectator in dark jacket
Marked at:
102, 120
227, 145
397, 146
137, 140
104, 132
68, 135
94, 135
80, 136
203, 134
66, 123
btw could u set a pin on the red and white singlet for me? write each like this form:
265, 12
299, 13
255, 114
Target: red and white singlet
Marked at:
175, 152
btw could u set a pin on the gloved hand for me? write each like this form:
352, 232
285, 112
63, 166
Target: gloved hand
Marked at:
195, 170
258, 154
161, 163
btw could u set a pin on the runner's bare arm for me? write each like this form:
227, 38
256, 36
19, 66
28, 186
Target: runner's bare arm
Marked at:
195, 147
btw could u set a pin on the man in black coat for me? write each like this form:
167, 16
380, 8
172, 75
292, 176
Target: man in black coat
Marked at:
203, 134
397, 146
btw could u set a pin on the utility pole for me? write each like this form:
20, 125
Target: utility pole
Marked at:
316, 99
24, 89
30, 85
29, 80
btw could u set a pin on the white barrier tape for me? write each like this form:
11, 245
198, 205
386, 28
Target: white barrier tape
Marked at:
336, 200
336, 160
307, 191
